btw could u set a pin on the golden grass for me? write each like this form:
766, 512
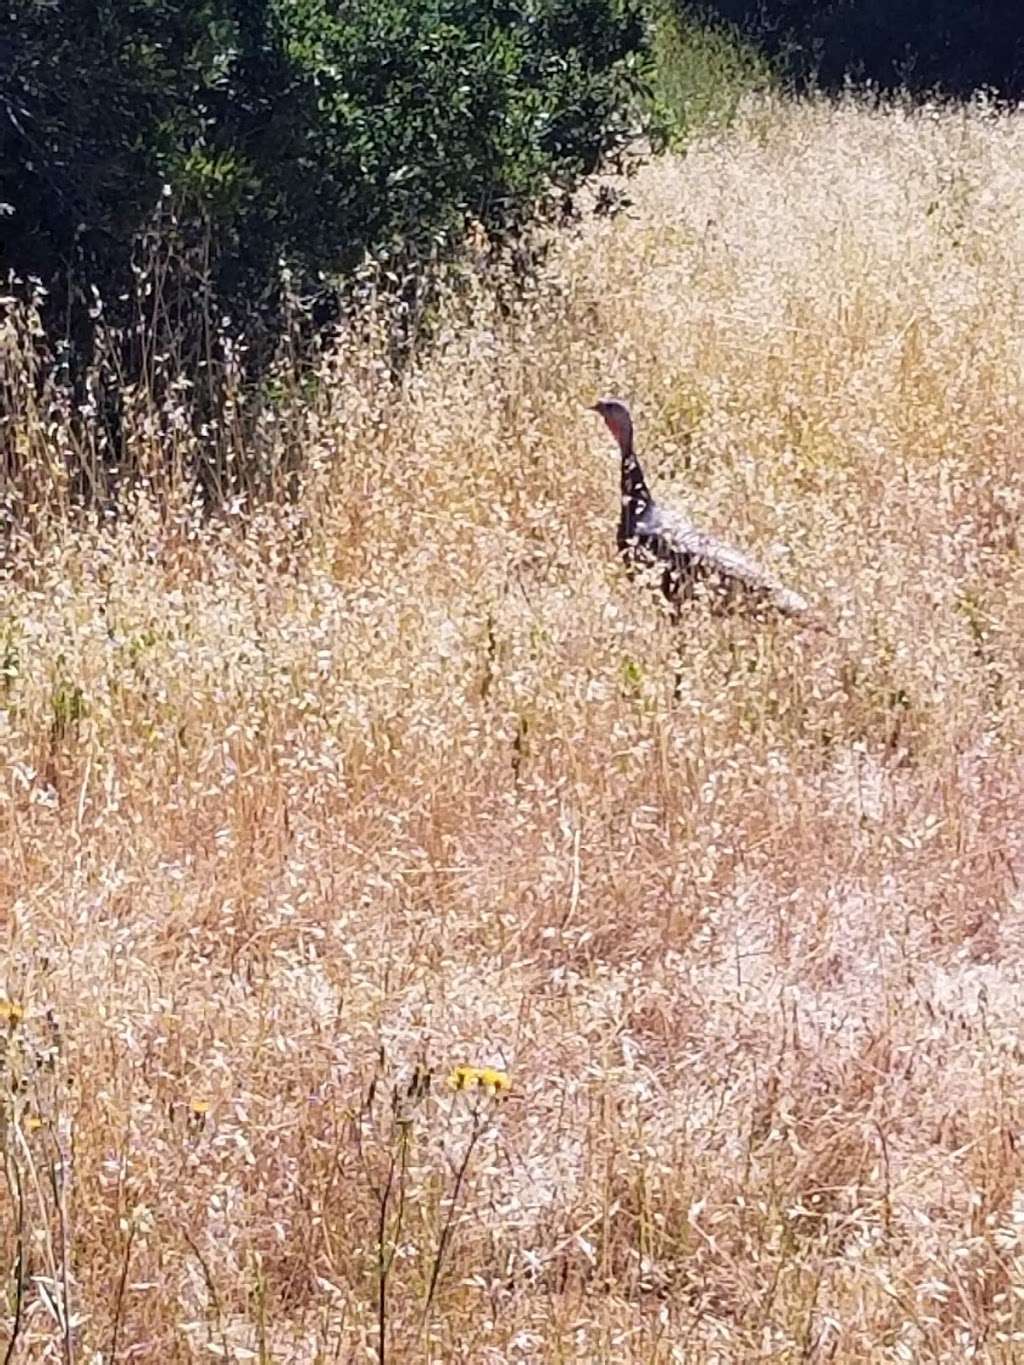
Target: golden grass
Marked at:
298, 807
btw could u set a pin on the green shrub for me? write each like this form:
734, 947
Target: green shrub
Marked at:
703, 67
309, 134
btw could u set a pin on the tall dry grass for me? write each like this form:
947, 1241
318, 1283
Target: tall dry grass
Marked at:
303, 808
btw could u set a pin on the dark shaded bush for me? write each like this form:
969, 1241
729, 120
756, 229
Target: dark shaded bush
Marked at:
957, 46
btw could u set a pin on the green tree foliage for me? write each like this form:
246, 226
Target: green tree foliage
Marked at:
311, 132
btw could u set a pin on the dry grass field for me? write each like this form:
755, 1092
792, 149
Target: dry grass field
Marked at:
303, 810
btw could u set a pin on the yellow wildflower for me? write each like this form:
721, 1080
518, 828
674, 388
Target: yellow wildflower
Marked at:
487, 1078
462, 1077
11, 1012
495, 1082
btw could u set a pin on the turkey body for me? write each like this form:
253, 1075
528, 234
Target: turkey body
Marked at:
689, 564
686, 563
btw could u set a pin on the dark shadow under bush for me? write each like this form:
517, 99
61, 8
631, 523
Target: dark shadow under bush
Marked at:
920, 46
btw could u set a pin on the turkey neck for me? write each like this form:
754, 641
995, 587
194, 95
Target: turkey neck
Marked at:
636, 497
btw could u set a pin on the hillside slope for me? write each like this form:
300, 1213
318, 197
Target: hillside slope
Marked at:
298, 802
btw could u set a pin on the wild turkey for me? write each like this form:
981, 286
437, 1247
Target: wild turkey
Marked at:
690, 563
